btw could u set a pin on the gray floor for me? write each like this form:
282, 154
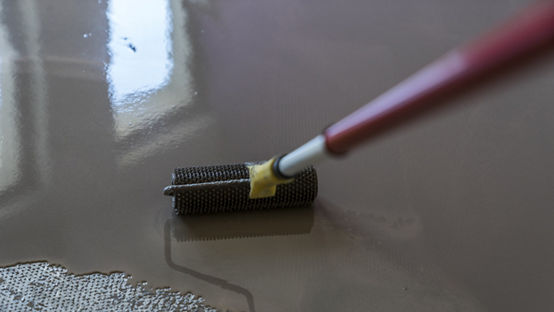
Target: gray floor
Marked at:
100, 100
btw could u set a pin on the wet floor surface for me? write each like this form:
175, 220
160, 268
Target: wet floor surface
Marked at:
100, 102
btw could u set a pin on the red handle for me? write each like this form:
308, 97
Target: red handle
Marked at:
531, 30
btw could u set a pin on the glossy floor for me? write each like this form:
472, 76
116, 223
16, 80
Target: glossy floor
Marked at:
100, 100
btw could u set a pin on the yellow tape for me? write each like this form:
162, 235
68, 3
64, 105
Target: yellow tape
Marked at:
263, 182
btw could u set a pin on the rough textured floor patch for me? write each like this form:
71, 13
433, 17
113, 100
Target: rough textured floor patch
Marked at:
40, 286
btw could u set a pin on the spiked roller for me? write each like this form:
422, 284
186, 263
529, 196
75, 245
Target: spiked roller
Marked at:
226, 188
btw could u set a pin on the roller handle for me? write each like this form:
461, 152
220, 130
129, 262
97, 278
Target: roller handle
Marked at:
526, 33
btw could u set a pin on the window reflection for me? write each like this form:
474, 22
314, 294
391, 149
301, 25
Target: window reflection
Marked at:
140, 50
149, 53
9, 139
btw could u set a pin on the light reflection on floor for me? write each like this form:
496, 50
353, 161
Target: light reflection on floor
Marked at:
9, 138
148, 71
140, 48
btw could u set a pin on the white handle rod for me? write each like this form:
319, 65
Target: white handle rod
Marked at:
311, 153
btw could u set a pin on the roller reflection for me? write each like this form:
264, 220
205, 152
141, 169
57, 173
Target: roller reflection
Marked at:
243, 224
233, 226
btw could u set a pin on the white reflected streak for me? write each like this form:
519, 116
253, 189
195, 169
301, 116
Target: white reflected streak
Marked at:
150, 77
148, 71
9, 137
31, 29
140, 49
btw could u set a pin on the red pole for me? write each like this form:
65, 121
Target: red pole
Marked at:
529, 31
